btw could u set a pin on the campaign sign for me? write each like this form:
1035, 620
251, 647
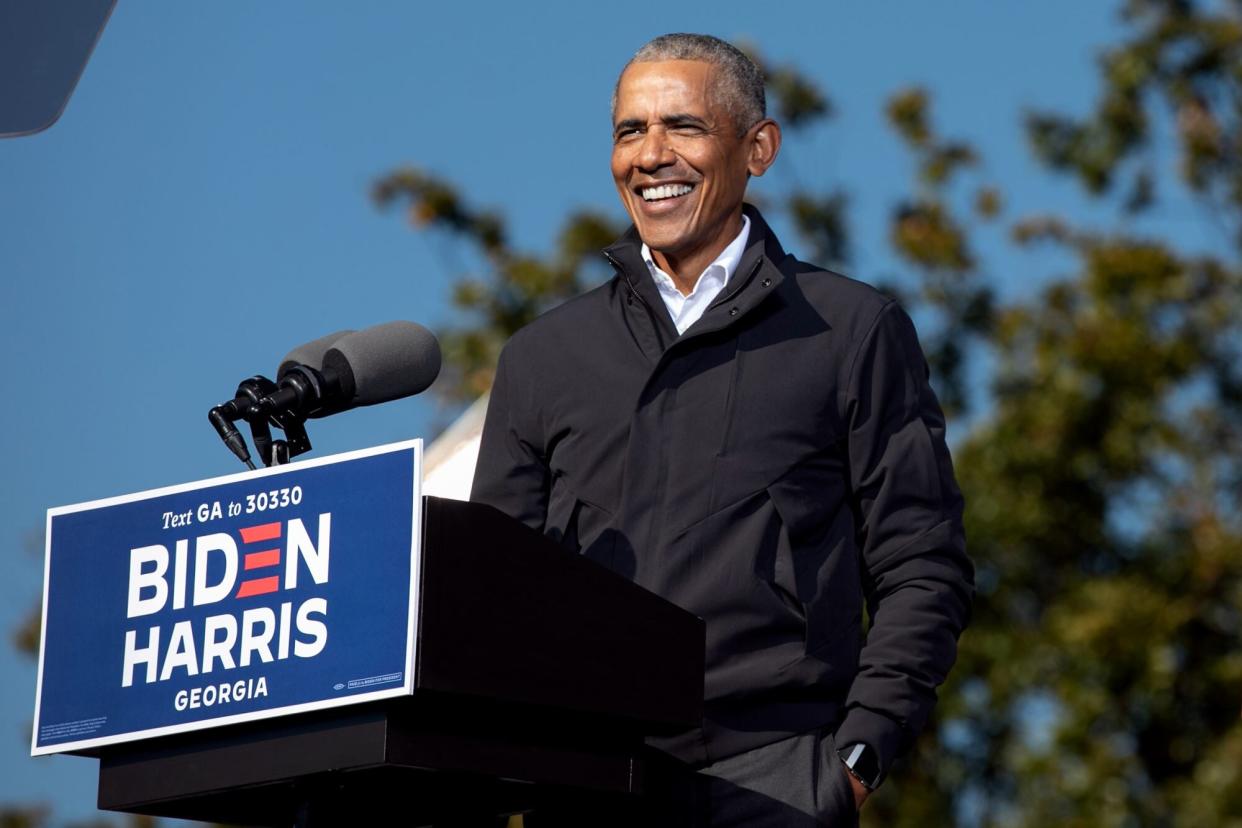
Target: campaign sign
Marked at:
244, 597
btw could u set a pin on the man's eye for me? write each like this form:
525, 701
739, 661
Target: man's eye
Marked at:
627, 134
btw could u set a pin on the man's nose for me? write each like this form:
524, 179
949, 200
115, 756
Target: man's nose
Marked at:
655, 151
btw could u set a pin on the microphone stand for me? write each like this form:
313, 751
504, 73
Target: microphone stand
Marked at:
278, 452
252, 402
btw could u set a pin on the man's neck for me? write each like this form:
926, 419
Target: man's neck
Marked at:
685, 270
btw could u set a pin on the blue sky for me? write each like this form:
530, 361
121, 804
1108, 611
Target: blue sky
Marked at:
202, 206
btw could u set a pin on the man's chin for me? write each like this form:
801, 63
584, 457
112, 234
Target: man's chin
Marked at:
662, 237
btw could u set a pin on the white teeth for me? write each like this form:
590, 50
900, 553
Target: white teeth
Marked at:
665, 191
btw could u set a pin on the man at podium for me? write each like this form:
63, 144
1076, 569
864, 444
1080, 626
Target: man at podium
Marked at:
753, 438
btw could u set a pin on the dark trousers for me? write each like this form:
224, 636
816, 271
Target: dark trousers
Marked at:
795, 783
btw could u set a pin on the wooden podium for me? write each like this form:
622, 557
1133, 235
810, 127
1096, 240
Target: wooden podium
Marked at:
538, 675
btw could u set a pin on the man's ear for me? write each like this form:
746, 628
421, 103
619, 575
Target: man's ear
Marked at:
765, 143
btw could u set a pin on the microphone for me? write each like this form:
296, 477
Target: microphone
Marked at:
334, 373
382, 363
310, 353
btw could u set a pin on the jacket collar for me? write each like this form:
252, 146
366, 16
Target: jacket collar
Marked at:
757, 276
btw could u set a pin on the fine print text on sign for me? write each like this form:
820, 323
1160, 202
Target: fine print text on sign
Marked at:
228, 600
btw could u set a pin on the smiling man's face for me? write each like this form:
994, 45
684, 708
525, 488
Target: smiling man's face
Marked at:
679, 164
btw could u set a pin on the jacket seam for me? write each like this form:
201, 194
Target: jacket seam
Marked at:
862, 341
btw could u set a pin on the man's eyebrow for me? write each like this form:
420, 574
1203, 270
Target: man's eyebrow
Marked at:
628, 123
682, 119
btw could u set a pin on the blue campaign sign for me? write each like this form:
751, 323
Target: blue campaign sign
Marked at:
228, 600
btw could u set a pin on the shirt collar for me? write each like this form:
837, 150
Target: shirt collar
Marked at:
727, 260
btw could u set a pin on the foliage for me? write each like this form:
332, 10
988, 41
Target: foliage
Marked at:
38, 816
518, 286
931, 235
1184, 58
1100, 681
25, 637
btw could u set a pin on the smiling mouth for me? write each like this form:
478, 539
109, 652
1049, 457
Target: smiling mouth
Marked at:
665, 191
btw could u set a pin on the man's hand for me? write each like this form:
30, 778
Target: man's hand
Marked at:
860, 790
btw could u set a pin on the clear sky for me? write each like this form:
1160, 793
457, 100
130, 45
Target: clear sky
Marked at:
202, 206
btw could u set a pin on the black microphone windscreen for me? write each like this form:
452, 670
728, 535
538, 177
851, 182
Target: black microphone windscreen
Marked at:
310, 353
386, 362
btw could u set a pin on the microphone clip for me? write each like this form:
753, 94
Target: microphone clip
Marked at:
253, 403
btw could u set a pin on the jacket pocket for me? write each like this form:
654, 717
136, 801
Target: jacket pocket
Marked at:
579, 525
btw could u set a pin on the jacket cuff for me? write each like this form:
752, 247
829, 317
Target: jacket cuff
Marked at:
883, 735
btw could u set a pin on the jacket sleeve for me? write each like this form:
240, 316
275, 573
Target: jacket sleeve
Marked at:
916, 575
512, 472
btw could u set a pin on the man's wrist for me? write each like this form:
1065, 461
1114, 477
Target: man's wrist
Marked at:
858, 789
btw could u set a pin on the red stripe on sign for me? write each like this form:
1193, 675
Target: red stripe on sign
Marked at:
266, 531
268, 557
258, 586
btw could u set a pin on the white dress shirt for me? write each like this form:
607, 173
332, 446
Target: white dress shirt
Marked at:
686, 310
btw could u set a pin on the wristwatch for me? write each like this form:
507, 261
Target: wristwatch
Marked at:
862, 763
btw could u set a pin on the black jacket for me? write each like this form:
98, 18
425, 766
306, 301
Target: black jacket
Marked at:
768, 470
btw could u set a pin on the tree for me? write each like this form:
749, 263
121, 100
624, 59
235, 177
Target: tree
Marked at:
520, 286
1099, 683
1102, 674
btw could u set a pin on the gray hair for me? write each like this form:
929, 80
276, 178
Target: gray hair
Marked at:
739, 86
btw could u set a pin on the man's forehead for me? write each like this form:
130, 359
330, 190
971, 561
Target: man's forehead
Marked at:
679, 83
